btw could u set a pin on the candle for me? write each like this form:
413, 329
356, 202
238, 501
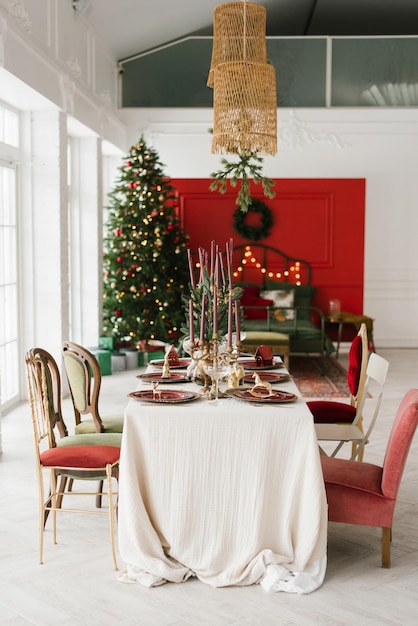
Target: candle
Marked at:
228, 265
222, 268
230, 321
212, 256
189, 257
191, 320
237, 321
215, 310
216, 271
202, 319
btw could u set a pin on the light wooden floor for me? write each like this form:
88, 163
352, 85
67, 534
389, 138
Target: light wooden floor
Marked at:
77, 585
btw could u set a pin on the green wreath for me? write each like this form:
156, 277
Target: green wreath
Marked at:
254, 233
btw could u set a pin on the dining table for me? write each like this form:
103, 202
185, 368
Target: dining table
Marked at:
228, 491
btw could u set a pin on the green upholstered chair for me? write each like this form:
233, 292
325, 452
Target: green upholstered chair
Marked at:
84, 380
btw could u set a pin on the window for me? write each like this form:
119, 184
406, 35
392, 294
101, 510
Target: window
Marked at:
9, 367
9, 312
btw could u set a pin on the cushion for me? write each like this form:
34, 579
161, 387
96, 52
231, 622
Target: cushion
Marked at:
303, 295
331, 412
281, 299
93, 439
354, 364
111, 424
80, 456
250, 297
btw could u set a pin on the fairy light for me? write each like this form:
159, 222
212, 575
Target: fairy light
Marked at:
294, 272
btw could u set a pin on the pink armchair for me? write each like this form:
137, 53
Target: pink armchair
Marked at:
364, 493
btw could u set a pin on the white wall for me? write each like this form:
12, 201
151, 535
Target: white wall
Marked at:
380, 145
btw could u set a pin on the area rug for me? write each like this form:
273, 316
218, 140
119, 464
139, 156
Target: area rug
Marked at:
319, 378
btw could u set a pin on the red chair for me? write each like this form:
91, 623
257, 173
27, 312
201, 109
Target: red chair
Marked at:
364, 493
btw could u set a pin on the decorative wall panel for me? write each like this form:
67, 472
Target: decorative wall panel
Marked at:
320, 220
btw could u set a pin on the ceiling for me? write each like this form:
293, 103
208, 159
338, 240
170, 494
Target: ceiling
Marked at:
130, 27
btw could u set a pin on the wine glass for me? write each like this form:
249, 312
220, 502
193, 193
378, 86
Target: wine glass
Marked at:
216, 373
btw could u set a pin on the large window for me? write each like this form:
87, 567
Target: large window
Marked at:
9, 369
9, 314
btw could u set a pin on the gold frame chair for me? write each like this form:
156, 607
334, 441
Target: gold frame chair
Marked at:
70, 462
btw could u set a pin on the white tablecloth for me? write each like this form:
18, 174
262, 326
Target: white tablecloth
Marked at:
232, 494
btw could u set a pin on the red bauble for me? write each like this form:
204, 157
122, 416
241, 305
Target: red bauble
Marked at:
120, 259
128, 163
118, 312
117, 232
170, 227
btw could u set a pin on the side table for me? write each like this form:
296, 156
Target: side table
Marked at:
356, 320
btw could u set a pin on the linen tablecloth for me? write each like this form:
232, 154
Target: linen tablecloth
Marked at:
230, 493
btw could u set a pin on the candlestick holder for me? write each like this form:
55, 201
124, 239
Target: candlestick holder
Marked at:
211, 361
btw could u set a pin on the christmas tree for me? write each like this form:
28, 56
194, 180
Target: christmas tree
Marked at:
145, 260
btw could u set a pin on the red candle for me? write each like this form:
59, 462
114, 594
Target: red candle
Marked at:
191, 320
215, 310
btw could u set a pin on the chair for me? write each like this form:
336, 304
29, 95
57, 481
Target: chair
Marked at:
377, 369
364, 493
327, 412
75, 459
84, 379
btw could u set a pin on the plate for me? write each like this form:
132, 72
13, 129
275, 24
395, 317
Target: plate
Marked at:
275, 398
164, 396
181, 364
265, 377
253, 365
157, 377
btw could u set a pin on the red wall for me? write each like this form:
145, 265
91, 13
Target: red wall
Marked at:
320, 220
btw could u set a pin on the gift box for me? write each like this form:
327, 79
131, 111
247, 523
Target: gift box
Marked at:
105, 360
107, 343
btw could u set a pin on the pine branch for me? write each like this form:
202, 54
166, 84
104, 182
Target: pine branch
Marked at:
248, 166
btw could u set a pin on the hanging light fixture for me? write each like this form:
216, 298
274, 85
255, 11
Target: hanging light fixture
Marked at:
245, 101
239, 32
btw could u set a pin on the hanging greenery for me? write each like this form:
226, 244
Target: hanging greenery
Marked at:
247, 167
254, 233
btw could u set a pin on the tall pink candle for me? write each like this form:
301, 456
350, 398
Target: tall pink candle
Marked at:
237, 321
191, 320
202, 320
189, 256
228, 265
230, 321
215, 310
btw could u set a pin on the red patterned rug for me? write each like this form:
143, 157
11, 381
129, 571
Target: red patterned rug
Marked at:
319, 378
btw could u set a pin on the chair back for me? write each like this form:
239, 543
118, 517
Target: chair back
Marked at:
44, 386
357, 365
400, 439
84, 380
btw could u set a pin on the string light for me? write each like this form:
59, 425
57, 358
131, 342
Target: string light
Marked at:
249, 258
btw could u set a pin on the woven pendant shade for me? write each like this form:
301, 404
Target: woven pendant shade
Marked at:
245, 109
239, 34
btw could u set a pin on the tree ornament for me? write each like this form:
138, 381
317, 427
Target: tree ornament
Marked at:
254, 233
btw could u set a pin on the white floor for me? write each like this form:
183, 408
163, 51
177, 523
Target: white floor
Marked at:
77, 585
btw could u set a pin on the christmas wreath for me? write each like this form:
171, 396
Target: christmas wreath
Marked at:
254, 233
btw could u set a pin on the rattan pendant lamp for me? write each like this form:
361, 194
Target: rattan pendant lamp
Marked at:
245, 103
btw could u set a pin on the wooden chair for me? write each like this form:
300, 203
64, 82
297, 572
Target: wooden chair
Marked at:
84, 380
74, 460
377, 369
364, 493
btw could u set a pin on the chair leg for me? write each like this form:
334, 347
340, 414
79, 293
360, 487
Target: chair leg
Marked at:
99, 495
386, 539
